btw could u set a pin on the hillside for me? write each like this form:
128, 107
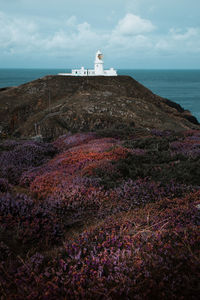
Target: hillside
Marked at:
90, 217
110, 212
55, 105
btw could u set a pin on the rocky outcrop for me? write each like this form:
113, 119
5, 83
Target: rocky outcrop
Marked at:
54, 105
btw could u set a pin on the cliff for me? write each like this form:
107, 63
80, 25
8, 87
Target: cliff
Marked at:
54, 105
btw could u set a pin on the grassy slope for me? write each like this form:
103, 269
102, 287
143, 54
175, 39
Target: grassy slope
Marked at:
108, 215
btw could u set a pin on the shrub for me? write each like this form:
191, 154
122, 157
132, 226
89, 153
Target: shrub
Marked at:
23, 156
149, 254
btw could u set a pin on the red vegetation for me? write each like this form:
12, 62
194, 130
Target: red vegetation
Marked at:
76, 162
102, 219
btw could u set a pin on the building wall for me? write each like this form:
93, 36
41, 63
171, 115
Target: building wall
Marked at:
84, 72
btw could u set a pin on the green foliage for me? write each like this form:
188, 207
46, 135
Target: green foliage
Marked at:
157, 162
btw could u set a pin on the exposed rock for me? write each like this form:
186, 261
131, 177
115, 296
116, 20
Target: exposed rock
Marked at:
54, 105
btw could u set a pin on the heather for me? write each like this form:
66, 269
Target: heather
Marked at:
96, 216
18, 157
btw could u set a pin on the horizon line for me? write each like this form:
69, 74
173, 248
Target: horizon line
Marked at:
57, 68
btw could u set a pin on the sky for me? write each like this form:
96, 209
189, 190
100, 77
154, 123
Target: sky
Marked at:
134, 34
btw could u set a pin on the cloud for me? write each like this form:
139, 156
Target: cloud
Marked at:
177, 41
132, 33
132, 36
24, 36
134, 25
76, 37
177, 34
71, 22
17, 35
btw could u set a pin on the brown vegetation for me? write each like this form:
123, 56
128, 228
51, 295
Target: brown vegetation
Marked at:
55, 105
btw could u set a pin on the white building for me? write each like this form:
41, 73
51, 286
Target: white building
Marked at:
98, 69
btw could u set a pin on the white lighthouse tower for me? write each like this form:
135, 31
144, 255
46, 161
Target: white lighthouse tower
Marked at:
97, 71
98, 64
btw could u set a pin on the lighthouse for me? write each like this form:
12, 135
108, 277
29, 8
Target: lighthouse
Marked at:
98, 63
97, 71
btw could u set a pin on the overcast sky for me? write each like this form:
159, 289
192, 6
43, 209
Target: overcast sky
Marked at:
137, 34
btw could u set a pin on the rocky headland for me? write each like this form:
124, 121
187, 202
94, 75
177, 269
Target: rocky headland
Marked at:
112, 213
55, 105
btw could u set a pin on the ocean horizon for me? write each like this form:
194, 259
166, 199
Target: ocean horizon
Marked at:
179, 85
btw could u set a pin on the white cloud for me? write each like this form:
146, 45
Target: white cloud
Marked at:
17, 34
177, 34
73, 37
71, 22
23, 36
133, 25
132, 35
178, 41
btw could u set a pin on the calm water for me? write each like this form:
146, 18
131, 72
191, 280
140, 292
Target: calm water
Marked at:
181, 86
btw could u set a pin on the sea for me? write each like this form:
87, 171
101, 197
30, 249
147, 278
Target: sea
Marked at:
181, 86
